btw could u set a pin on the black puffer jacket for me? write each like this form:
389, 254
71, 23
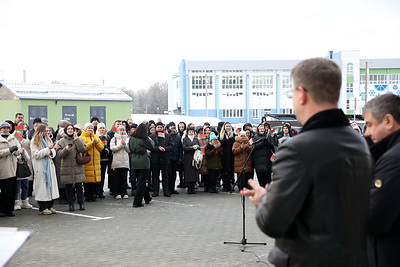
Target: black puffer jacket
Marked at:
317, 204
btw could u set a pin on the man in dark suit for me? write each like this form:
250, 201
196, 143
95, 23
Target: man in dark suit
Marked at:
317, 204
160, 159
382, 118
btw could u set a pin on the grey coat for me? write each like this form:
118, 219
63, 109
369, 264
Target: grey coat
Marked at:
71, 172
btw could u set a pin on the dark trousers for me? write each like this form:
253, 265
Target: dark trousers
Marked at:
180, 171
132, 176
142, 190
263, 178
228, 178
100, 185
23, 186
110, 176
120, 176
212, 179
70, 190
7, 193
156, 177
243, 179
173, 167
45, 205
90, 191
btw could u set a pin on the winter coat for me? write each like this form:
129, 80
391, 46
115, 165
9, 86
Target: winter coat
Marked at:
8, 161
227, 155
157, 156
104, 154
384, 210
120, 152
262, 152
203, 145
42, 190
241, 154
138, 147
176, 153
92, 168
213, 156
70, 171
317, 204
191, 173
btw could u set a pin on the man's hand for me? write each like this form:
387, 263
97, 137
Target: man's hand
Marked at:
161, 148
256, 193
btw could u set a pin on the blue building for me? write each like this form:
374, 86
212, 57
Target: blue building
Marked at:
245, 91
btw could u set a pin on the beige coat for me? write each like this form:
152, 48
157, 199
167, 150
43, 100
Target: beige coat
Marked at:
8, 161
42, 191
120, 152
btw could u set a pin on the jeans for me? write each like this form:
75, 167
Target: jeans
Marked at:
24, 186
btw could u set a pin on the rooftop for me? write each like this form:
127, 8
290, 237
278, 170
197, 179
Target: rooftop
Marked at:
60, 91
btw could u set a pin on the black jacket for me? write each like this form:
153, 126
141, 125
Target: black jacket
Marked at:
262, 152
317, 204
157, 156
384, 208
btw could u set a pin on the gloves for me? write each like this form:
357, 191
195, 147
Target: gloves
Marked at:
195, 146
13, 148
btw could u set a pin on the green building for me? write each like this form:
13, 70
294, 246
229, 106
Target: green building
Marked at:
75, 103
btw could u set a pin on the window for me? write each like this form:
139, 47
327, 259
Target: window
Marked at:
393, 78
349, 69
232, 113
232, 82
347, 104
256, 113
99, 112
262, 81
287, 111
69, 114
349, 87
286, 82
202, 82
374, 79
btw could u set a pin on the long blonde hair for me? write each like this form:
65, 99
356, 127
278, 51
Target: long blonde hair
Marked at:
39, 134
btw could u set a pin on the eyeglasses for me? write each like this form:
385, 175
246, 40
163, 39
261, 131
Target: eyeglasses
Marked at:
289, 94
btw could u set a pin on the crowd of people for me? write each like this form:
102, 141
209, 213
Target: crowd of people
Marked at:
131, 156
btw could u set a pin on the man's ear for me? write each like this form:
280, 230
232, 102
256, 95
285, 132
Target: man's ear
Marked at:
303, 95
389, 121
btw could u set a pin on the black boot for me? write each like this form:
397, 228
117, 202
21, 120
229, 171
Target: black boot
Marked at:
82, 206
71, 207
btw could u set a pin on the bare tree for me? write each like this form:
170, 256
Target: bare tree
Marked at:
153, 100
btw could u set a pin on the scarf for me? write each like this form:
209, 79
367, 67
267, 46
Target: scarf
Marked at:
46, 165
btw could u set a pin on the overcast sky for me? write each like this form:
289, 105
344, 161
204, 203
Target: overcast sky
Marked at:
133, 44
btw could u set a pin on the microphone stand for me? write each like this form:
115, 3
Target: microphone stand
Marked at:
241, 184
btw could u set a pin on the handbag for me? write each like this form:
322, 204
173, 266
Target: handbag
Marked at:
23, 170
82, 159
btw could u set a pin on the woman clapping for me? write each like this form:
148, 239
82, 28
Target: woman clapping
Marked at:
72, 174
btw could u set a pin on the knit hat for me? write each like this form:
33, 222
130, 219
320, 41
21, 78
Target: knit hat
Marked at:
5, 125
160, 123
87, 125
101, 125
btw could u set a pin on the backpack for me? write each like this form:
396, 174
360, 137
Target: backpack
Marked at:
197, 159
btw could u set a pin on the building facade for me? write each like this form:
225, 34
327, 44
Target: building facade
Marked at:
245, 91
55, 102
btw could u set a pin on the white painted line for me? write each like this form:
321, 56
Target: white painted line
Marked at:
94, 218
174, 203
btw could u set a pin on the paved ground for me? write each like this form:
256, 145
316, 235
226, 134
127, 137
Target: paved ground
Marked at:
184, 230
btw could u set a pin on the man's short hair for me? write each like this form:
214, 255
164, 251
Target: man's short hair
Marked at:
18, 114
382, 105
321, 77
